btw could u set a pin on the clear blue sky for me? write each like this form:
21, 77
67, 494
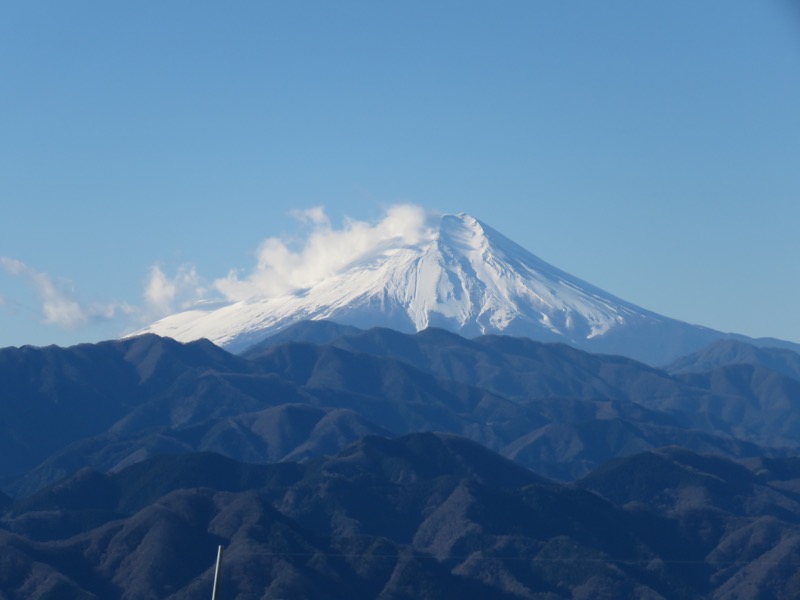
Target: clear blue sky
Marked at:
651, 148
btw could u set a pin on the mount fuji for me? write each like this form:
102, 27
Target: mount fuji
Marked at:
462, 276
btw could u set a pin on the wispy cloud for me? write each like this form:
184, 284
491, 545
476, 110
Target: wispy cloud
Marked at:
325, 251
164, 295
59, 304
281, 267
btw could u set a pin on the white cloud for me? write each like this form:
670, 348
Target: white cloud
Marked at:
59, 305
314, 215
281, 267
163, 294
325, 251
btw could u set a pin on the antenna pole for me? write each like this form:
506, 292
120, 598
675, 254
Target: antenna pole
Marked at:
217, 572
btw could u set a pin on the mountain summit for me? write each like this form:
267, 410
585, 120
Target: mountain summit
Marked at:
462, 276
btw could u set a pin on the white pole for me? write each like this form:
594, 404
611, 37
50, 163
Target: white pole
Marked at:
217, 573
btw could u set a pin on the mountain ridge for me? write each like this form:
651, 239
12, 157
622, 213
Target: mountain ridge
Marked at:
551, 407
366, 492
462, 276
422, 516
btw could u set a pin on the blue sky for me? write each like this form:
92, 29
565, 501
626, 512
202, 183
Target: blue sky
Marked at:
650, 148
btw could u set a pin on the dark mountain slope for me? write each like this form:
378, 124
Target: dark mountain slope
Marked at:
377, 511
553, 408
531, 373
569, 450
513, 367
313, 332
733, 352
751, 402
284, 432
516, 368
423, 456
158, 549
53, 396
522, 369
422, 516
674, 480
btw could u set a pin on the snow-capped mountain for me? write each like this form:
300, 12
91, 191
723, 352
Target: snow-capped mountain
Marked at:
464, 276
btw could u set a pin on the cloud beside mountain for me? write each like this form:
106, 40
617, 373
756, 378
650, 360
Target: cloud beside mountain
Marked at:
284, 267
281, 266
59, 304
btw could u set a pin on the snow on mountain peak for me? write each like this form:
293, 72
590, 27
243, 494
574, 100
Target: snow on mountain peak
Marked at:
408, 273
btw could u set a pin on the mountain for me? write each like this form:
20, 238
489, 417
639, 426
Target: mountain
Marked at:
465, 277
552, 408
54, 396
749, 402
424, 516
724, 353
380, 464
